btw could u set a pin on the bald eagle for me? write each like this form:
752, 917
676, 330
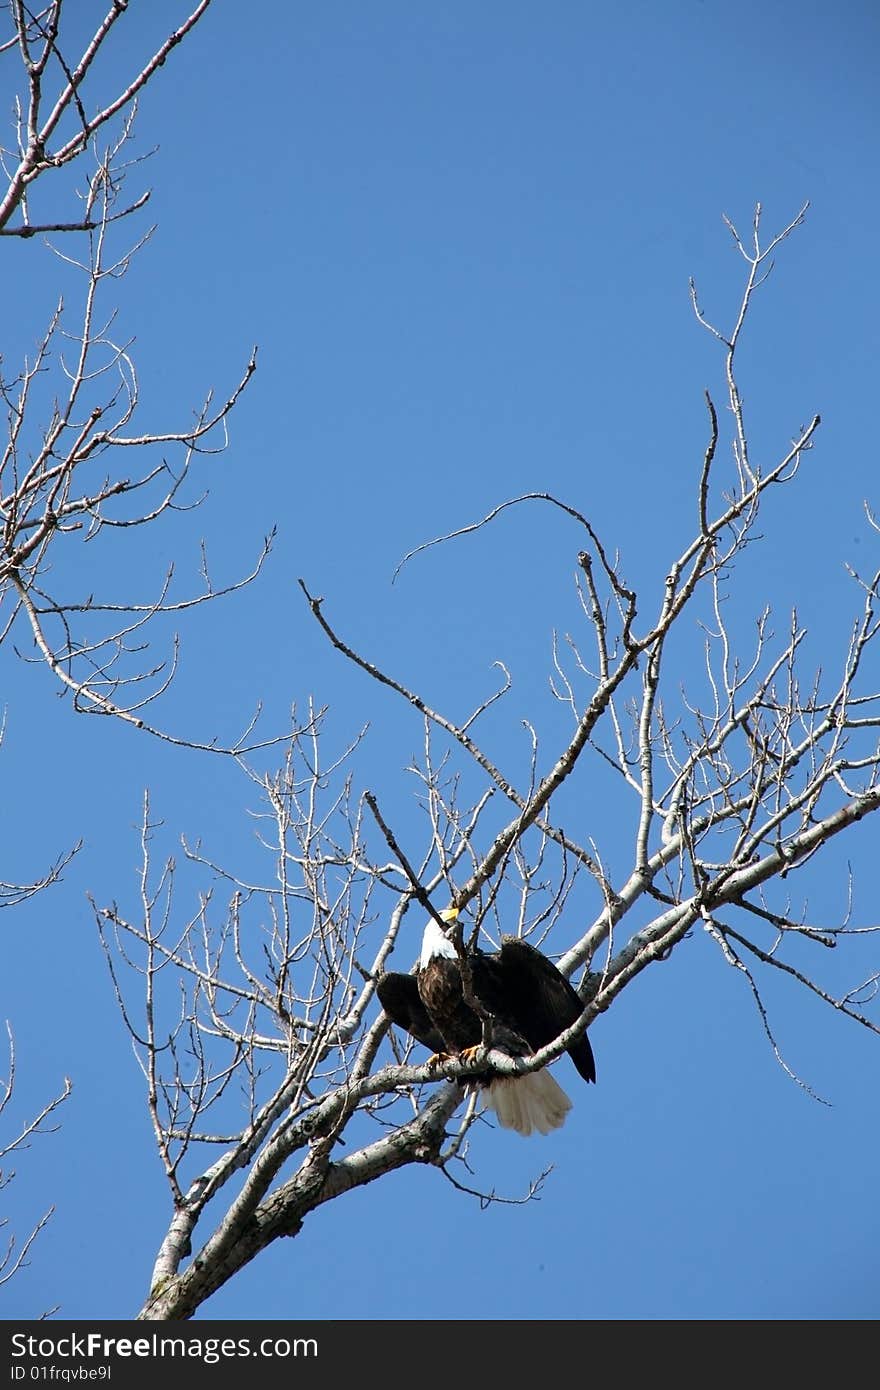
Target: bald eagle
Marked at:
529, 1002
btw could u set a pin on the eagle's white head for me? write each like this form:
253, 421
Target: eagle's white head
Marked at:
435, 942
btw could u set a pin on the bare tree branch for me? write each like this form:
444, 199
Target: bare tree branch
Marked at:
54, 128
15, 1254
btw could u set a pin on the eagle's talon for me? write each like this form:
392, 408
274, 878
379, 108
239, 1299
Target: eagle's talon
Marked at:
438, 1059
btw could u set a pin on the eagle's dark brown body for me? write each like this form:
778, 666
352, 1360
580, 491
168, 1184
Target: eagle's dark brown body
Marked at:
440, 990
528, 1002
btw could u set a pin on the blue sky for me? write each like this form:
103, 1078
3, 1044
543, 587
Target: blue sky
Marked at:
461, 235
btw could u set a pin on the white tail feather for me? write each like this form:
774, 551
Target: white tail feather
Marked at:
527, 1103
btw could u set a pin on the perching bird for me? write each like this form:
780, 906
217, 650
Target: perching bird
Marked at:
529, 1002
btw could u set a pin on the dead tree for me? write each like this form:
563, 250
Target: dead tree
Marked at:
76, 464
266, 988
